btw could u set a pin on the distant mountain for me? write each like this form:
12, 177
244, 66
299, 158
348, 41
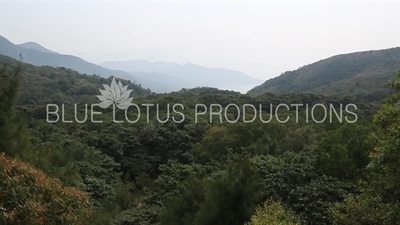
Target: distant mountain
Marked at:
188, 75
46, 58
364, 74
35, 46
159, 77
36, 54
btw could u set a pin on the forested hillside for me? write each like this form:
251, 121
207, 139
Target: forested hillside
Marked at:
44, 85
193, 172
362, 74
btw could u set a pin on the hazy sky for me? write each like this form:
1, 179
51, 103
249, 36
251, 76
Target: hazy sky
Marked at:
262, 39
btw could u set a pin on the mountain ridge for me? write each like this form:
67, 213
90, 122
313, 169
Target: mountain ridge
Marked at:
36, 46
40, 58
361, 73
171, 77
45, 58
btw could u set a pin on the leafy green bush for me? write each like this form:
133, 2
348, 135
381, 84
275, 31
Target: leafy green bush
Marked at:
273, 213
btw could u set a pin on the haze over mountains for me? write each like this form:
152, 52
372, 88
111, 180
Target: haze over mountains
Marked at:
188, 75
159, 77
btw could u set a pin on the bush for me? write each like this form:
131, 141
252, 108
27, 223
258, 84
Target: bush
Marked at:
273, 213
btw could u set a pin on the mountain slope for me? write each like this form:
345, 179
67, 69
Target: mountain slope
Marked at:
48, 85
42, 58
365, 74
35, 46
188, 75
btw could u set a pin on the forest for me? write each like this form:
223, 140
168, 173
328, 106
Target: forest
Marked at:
191, 173
362, 74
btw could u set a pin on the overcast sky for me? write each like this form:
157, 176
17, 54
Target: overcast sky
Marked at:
262, 39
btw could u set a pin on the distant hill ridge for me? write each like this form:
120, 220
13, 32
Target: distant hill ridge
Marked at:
364, 74
159, 76
35, 46
39, 56
188, 75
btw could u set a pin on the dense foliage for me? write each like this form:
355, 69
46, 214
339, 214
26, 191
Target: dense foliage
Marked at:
197, 172
27, 196
379, 201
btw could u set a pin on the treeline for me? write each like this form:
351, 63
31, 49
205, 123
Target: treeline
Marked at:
190, 173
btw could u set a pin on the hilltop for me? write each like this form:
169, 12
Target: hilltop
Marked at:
363, 74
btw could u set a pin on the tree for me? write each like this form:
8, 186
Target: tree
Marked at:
180, 209
273, 213
226, 197
231, 197
379, 202
13, 132
343, 153
294, 181
28, 196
